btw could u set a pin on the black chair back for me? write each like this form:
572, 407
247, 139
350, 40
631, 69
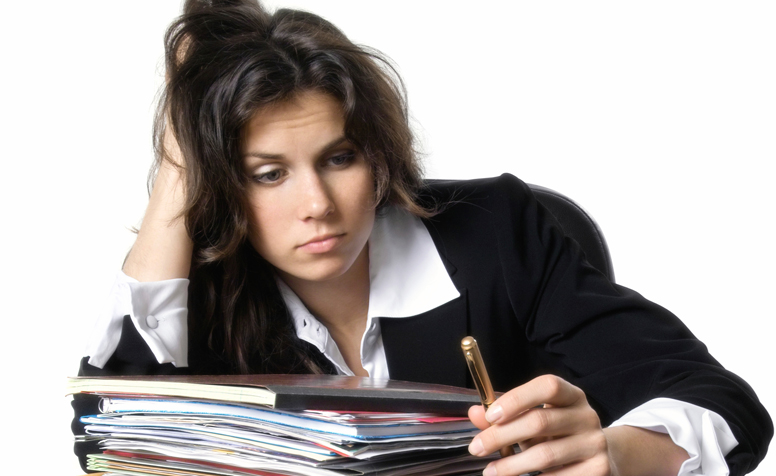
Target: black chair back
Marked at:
578, 225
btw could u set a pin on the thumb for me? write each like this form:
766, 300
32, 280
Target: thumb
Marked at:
477, 416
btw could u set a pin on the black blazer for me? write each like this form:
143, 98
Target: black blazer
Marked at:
535, 306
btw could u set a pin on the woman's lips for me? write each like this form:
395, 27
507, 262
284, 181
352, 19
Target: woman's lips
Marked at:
322, 244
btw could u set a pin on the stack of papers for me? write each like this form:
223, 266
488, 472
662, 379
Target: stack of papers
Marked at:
167, 435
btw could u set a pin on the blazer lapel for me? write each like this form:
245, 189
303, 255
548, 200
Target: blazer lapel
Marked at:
427, 347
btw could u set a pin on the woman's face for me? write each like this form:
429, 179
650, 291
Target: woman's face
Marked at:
311, 191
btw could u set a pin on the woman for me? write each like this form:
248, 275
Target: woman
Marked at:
289, 195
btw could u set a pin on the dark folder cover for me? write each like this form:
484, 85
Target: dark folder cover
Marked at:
317, 392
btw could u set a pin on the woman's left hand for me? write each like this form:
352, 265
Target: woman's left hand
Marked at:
562, 437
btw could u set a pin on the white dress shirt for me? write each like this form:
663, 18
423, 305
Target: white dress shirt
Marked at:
407, 278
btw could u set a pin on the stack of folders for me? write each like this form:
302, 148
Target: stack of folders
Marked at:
278, 425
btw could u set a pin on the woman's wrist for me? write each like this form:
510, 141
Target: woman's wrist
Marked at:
640, 452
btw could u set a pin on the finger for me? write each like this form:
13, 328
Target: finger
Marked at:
546, 389
535, 423
477, 416
568, 452
525, 444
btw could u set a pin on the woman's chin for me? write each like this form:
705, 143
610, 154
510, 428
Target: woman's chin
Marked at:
318, 272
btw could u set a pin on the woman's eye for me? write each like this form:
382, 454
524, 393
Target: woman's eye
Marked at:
269, 177
342, 159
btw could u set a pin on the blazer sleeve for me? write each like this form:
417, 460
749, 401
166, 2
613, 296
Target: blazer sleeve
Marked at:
620, 348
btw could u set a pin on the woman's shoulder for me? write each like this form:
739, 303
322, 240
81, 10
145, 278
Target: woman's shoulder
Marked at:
439, 187
492, 215
491, 194
479, 214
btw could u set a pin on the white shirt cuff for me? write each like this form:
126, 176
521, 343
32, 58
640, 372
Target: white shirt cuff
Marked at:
159, 311
705, 435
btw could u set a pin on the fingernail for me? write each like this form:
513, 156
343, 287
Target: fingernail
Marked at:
476, 448
494, 414
489, 470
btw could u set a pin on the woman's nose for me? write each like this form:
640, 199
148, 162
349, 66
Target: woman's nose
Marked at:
316, 200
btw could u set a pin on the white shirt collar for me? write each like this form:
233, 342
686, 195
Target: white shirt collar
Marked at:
407, 278
406, 273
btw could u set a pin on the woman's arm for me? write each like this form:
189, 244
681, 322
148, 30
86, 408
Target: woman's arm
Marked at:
163, 248
565, 318
620, 348
152, 291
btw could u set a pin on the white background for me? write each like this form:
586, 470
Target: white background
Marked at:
658, 117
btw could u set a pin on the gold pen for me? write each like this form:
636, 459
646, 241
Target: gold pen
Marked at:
477, 368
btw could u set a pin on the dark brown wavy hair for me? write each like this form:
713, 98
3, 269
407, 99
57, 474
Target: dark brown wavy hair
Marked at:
225, 61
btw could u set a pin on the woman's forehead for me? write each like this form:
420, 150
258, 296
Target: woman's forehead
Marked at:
309, 119
301, 107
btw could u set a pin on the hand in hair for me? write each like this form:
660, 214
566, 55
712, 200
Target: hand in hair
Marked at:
163, 248
566, 433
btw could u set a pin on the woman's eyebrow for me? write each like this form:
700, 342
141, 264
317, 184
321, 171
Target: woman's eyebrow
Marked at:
269, 156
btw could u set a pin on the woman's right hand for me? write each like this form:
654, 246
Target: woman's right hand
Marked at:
163, 247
